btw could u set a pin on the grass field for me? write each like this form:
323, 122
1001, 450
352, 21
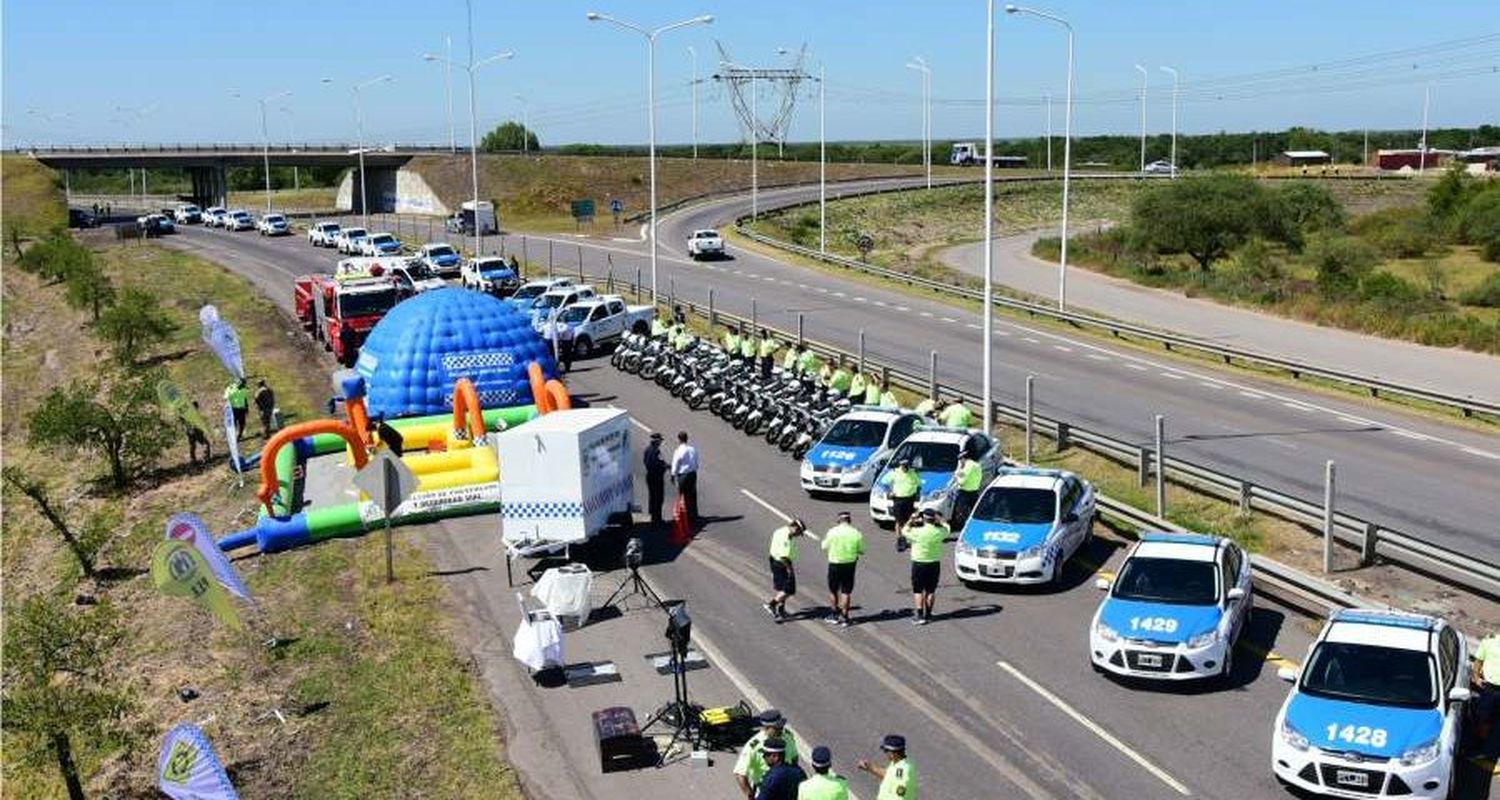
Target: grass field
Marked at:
309, 199
377, 700
31, 197
535, 192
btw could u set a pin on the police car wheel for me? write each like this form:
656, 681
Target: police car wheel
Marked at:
584, 347
1226, 669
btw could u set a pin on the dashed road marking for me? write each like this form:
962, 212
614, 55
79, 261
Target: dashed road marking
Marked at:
1097, 357
1098, 730
1062, 348
1210, 385
1134, 366
1174, 376
927, 314
1296, 405
1253, 395
1030, 340
861, 300
948, 319
838, 294
973, 325
903, 308
1481, 453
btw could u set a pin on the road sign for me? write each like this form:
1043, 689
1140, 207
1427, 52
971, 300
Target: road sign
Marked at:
616, 206
387, 480
583, 209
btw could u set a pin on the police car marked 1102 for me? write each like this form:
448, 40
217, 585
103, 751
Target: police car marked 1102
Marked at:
1378, 710
1026, 525
855, 448
1175, 610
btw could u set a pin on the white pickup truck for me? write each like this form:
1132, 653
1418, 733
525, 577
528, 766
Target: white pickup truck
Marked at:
600, 320
706, 243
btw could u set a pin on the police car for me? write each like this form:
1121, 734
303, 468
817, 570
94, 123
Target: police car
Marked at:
933, 452
855, 447
1175, 610
1377, 711
1024, 527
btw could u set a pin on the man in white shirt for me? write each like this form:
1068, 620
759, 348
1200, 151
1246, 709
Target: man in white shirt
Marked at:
685, 475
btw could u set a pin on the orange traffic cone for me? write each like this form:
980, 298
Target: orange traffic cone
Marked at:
682, 531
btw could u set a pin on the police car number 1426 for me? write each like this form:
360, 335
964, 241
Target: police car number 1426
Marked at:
1153, 624
1362, 734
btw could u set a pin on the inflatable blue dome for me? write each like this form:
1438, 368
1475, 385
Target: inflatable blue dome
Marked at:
426, 343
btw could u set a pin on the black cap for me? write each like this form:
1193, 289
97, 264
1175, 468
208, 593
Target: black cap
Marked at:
844, 516
655, 437
822, 757
929, 513
771, 718
893, 741
796, 522
774, 744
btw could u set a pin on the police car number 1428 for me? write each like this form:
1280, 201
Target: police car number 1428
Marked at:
1362, 734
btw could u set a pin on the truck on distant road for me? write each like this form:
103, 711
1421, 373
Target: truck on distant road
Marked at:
968, 154
463, 220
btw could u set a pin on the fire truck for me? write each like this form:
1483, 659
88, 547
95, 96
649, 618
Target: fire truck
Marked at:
340, 309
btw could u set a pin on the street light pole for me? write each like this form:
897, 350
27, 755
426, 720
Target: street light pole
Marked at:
1047, 98
920, 65
1426, 100
1062, 266
525, 124
448, 84
822, 161
265, 147
651, 35
359, 121
694, 55
471, 68
1173, 73
1144, 75
988, 312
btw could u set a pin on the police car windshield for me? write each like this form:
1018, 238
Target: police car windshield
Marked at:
1018, 506
418, 270
1363, 673
1167, 580
528, 292
574, 314
548, 301
928, 456
856, 433
438, 252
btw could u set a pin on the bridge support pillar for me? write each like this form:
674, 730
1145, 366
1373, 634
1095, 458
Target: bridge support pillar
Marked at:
210, 186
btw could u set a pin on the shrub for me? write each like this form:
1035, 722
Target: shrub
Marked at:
54, 257
1479, 222
1486, 294
1206, 217
1399, 232
1390, 290
133, 324
1309, 207
1342, 262
123, 425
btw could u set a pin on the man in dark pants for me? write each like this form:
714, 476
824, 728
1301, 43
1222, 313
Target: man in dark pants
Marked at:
685, 474
195, 437
265, 405
656, 478
348, 343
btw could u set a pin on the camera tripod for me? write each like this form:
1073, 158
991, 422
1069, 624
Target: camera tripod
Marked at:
680, 714
634, 586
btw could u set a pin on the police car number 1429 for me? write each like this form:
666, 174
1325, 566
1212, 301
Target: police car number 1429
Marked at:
1153, 624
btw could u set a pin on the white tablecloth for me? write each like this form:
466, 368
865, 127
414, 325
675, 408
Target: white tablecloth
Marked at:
565, 591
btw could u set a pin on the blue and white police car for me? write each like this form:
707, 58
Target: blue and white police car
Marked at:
933, 452
856, 446
1175, 610
1025, 526
1378, 709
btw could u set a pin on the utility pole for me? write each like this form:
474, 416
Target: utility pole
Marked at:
1426, 101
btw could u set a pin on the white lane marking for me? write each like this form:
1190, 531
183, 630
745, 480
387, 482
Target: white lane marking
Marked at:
861, 300
927, 314
1063, 348
1099, 731
820, 290
1134, 366
1097, 357
1252, 395
1031, 340
902, 308
1408, 434
1296, 405
839, 294
1353, 421
1210, 385
880, 303
948, 319
1002, 333
1174, 376
801, 286
778, 513
972, 325
1481, 453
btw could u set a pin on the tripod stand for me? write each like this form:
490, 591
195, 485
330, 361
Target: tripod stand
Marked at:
680, 714
634, 586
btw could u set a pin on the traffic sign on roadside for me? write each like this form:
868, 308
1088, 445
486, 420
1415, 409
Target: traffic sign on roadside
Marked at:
388, 482
583, 210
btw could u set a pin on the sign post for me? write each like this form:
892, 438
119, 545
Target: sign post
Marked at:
583, 212
388, 482
616, 206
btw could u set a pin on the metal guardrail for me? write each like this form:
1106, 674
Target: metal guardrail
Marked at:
233, 147
1374, 542
1466, 405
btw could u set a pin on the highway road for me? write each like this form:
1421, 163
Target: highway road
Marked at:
1415, 474
996, 697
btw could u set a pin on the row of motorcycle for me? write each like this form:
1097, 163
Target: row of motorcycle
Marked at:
788, 410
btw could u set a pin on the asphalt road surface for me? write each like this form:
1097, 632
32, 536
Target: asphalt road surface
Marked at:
996, 697
1425, 477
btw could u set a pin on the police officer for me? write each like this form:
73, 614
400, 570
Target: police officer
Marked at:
840, 380
843, 544
782, 779
823, 784
789, 361
238, 398
807, 361
656, 478
1486, 675
731, 343
750, 768
767, 352
898, 778
858, 387
906, 486
926, 407
926, 539
956, 415
658, 327
883, 395
970, 478
783, 570
747, 346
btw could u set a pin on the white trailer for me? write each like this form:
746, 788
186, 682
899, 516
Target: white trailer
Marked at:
565, 477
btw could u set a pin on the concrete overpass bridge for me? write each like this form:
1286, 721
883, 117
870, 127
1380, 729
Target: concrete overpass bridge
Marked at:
208, 163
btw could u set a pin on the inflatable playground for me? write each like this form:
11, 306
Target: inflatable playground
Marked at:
442, 371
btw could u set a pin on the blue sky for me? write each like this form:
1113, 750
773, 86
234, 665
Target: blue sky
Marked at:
70, 66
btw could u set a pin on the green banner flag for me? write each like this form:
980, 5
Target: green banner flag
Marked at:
178, 569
